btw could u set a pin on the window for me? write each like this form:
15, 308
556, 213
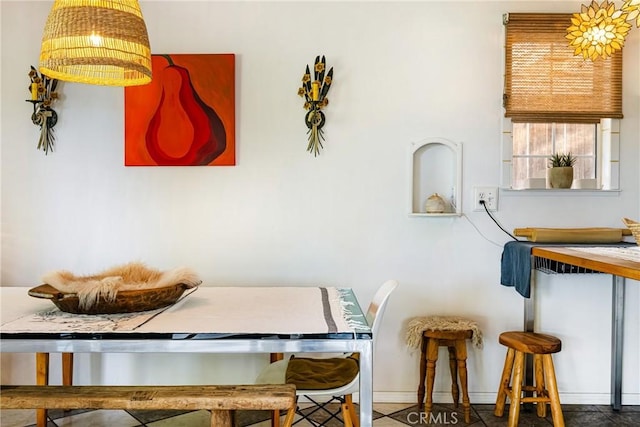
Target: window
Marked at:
556, 102
534, 143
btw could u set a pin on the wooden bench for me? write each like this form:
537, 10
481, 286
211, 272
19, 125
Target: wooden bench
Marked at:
221, 400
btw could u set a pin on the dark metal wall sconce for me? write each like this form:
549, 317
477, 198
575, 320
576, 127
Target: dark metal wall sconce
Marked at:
43, 94
315, 98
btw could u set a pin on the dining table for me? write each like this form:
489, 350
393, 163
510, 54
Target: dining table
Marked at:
621, 261
207, 319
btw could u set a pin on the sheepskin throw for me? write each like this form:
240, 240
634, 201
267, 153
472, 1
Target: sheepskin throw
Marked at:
418, 325
127, 277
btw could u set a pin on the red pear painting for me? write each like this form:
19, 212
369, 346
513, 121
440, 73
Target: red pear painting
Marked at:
185, 116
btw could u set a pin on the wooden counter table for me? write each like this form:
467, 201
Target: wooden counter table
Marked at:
622, 263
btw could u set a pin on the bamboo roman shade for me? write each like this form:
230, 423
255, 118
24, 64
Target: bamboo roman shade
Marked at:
545, 82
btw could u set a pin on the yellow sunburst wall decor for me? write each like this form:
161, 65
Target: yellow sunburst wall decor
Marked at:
599, 30
314, 93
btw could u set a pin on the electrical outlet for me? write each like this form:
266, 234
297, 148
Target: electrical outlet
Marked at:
490, 197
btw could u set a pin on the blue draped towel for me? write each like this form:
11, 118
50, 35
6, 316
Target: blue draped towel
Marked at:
516, 266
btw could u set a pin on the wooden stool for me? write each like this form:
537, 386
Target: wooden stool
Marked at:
455, 341
541, 346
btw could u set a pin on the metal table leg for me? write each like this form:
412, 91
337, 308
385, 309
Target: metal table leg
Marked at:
366, 384
529, 326
617, 330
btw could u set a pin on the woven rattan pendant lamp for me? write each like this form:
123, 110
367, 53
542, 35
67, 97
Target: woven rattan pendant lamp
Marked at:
101, 42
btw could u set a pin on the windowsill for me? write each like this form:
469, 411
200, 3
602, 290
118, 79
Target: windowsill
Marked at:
557, 191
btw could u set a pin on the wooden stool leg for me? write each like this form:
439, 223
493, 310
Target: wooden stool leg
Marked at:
67, 368
432, 357
504, 383
423, 370
461, 358
453, 367
516, 389
42, 378
220, 418
288, 421
541, 407
552, 388
275, 418
275, 415
355, 419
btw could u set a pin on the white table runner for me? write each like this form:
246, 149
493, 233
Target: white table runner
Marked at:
277, 310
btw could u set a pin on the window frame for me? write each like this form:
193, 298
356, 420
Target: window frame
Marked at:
607, 158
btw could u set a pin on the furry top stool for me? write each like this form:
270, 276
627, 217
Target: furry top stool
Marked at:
432, 332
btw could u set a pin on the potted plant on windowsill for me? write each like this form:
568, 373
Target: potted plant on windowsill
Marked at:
560, 170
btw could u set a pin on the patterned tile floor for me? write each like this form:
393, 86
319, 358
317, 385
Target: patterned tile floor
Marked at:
385, 415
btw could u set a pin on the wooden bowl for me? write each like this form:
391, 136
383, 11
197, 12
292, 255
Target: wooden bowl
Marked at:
125, 302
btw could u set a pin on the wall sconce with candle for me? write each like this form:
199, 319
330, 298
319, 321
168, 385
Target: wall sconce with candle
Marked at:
43, 94
315, 99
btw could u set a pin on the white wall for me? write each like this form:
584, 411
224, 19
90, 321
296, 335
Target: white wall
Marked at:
403, 72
